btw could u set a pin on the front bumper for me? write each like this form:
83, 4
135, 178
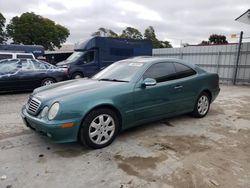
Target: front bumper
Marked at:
52, 129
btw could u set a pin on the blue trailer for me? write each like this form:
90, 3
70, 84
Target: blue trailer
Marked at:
37, 50
98, 52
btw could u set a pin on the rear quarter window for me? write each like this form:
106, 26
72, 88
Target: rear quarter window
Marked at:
23, 56
5, 56
183, 71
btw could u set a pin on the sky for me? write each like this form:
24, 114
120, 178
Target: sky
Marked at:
189, 21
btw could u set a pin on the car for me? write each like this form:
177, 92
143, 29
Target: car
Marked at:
127, 93
16, 55
27, 74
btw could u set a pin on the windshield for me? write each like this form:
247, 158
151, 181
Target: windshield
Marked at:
73, 57
120, 71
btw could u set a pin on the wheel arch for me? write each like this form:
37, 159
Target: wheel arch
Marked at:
75, 72
209, 93
106, 105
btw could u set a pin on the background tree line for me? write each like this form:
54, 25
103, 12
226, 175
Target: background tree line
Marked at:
32, 29
133, 33
215, 39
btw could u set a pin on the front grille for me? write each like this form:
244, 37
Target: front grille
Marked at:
33, 105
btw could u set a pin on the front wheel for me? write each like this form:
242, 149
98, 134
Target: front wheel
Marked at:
99, 128
77, 75
202, 105
47, 81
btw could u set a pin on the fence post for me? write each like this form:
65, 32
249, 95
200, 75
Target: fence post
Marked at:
218, 62
181, 55
237, 58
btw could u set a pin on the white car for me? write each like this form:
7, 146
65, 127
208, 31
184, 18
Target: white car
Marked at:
16, 55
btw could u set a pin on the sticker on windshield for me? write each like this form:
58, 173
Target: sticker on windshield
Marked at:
135, 64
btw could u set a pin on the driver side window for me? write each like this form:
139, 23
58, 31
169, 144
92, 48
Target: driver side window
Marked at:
161, 72
26, 65
88, 57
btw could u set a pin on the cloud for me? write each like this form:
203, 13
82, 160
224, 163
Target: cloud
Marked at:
187, 21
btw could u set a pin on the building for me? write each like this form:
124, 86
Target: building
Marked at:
244, 18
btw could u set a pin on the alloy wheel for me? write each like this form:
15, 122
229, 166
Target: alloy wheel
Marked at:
102, 129
203, 104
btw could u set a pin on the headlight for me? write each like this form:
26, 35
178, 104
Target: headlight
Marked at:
44, 111
53, 110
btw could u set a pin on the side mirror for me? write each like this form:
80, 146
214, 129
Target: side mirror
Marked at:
149, 82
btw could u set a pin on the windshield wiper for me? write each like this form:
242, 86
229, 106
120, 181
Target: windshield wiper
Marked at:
112, 80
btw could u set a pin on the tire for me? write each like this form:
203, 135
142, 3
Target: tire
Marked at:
104, 133
77, 75
47, 81
202, 105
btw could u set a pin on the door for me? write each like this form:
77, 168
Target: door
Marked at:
10, 75
88, 63
28, 75
185, 79
159, 100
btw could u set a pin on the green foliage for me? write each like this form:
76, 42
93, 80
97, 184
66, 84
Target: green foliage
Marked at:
150, 35
103, 32
30, 28
217, 39
3, 36
165, 44
204, 42
131, 33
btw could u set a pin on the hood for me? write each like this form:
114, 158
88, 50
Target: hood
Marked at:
71, 87
61, 63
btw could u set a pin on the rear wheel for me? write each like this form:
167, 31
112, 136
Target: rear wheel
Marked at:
99, 128
202, 105
77, 75
47, 81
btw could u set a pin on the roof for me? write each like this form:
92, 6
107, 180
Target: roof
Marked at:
245, 17
156, 59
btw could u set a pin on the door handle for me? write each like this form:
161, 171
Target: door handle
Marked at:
178, 87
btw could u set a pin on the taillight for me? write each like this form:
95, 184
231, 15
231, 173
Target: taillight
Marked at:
66, 71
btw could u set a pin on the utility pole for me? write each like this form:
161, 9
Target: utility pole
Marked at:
238, 58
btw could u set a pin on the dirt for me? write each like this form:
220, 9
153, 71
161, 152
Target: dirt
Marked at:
70, 153
178, 152
134, 165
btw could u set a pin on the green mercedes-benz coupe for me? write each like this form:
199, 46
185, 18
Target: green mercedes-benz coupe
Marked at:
127, 93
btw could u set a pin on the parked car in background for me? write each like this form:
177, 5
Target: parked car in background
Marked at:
36, 50
125, 94
15, 55
27, 74
99, 52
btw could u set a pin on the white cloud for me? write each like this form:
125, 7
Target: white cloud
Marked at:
187, 21
123, 25
45, 9
141, 11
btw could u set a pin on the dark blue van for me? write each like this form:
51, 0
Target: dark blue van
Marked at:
98, 52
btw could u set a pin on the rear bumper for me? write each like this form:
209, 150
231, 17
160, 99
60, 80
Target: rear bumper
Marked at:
52, 129
215, 93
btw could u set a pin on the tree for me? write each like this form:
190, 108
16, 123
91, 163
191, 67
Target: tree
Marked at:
30, 28
204, 42
103, 32
3, 37
166, 44
150, 35
217, 39
131, 33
